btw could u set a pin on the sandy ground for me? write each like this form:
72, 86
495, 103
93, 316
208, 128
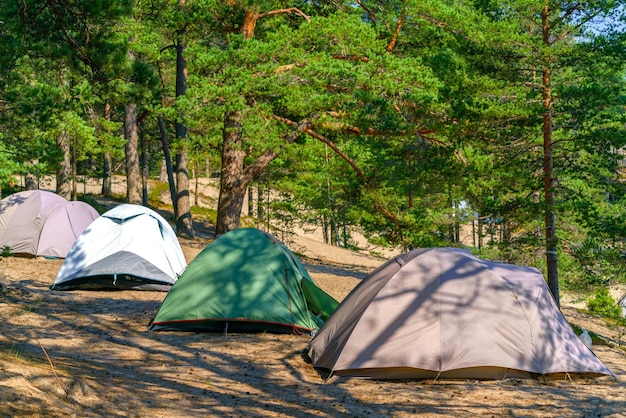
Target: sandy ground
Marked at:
89, 354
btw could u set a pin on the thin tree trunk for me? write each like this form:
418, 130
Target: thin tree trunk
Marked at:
163, 172
133, 183
195, 193
480, 233
144, 169
74, 172
65, 166
473, 233
107, 175
250, 200
259, 205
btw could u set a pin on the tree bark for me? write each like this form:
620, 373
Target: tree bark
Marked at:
233, 182
196, 197
63, 188
235, 178
133, 177
167, 159
260, 213
74, 172
250, 201
31, 182
144, 170
548, 168
184, 221
107, 174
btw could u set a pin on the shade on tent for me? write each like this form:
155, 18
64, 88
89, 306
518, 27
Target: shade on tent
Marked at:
444, 313
128, 247
246, 281
42, 223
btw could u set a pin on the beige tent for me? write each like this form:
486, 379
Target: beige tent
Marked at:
42, 223
444, 313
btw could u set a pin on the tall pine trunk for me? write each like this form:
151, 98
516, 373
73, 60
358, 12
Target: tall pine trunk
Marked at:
144, 169
548, 167
74, 172
63, 188
133, 177
107, 170
184, 221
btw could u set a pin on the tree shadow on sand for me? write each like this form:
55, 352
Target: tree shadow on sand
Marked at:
108, 364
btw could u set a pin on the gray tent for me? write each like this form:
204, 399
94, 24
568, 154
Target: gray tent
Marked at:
444, 313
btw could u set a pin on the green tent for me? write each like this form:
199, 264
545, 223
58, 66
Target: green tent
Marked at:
245, 281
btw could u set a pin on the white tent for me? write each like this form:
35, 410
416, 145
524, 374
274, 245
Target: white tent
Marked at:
444, 313
42, 223
128, 247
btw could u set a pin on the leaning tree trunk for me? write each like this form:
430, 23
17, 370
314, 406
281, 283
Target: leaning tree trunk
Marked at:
133, 177
169, 169
63, 188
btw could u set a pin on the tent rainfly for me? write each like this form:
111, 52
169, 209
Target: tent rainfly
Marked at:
245, 281
128, 247
442, 313
42, 223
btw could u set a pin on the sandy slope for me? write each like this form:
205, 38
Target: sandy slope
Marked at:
88, 354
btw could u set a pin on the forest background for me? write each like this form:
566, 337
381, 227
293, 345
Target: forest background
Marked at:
405, 120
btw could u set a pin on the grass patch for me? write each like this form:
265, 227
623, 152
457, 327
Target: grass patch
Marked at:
156, 190
206, 214
14, 354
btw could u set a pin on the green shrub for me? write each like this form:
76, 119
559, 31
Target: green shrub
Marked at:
6, 251
603, 304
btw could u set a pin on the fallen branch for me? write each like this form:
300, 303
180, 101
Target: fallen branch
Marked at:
51, 365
